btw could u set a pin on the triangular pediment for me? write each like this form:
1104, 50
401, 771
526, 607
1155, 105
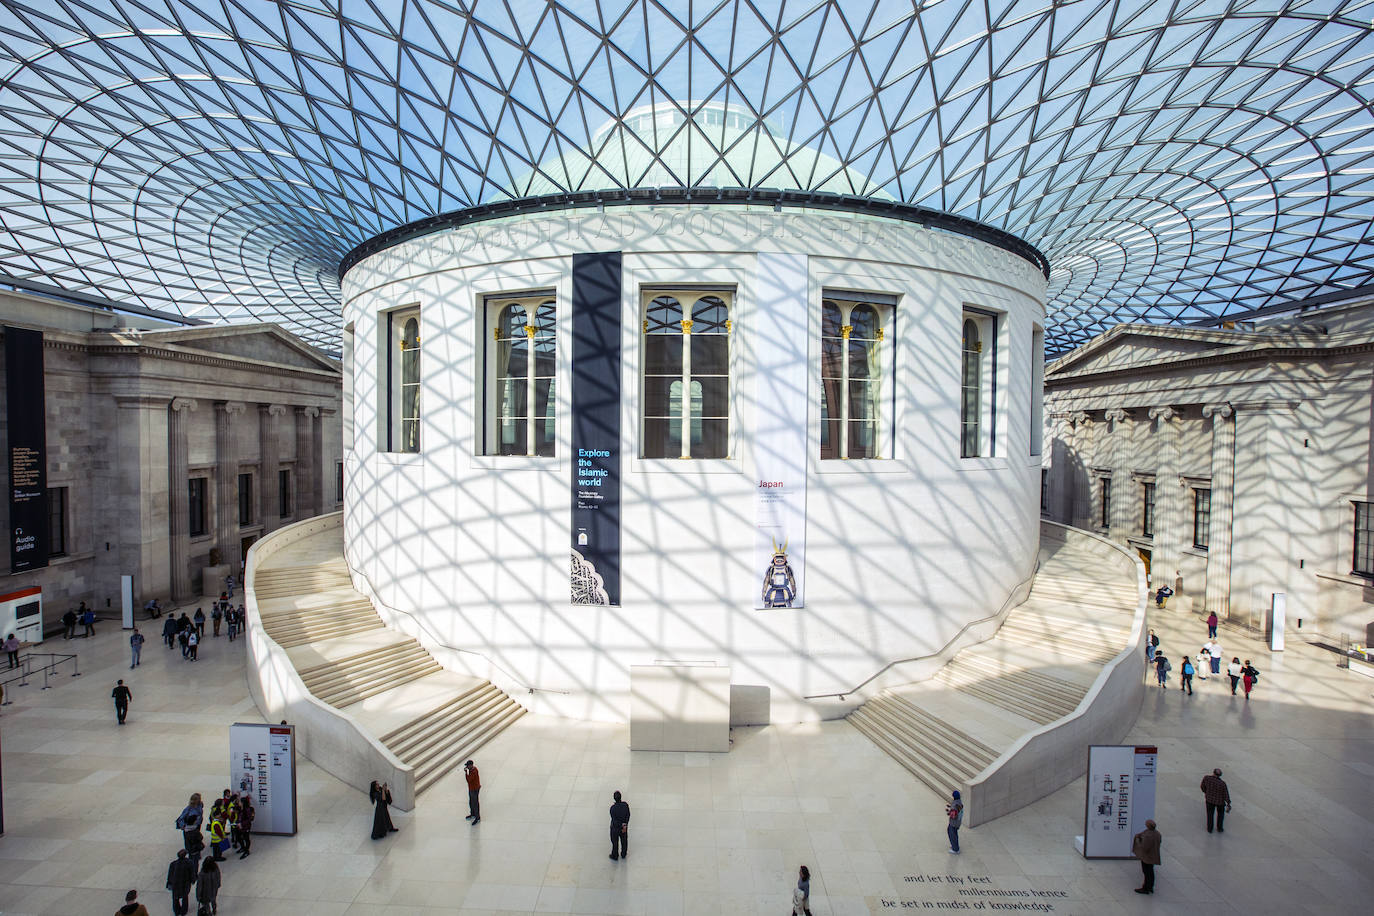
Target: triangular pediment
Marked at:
265, 343
1132, 345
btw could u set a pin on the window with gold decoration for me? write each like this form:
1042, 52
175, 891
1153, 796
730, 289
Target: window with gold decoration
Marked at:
521, 365
855, 384
686, 378
401, 412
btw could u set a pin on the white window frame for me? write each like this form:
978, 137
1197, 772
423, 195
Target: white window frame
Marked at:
991, 326
392, 325
885, 306
687, 297
489, 434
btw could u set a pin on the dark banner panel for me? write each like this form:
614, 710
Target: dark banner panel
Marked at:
28, 449
595, 399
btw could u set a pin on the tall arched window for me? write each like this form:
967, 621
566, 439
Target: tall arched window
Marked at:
399, 402
853, 422
522, 363
691, 355
971, 391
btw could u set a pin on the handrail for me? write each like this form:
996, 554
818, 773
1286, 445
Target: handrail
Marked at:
26, 670
937, 653
420, 624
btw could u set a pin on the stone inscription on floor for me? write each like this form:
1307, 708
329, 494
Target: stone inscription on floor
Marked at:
974, 892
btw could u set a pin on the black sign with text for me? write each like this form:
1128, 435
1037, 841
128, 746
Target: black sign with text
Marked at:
28, 449
595, 400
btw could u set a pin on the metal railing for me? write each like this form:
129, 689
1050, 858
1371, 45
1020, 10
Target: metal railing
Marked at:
26, 670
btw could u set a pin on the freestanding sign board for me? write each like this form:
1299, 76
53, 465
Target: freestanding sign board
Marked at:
1120, 798
262, 764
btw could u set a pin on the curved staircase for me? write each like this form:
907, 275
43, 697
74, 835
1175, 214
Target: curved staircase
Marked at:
1035, 670
429, 718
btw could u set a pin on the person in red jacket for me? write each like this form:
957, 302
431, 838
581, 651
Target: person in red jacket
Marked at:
474, 786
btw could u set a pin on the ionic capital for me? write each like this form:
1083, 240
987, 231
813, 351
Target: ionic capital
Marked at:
1079, 417
1163, 414
1116, 415
180, 404
308, 411
1223, 411
231, 407
273, 410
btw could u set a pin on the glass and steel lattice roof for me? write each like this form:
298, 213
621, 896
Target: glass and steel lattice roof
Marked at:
1174, 161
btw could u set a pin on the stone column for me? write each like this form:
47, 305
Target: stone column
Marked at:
1170, 496
306, 461
323, 475
132, 498
177, 467
226, 483
1119, 460
1223, 503
267, 469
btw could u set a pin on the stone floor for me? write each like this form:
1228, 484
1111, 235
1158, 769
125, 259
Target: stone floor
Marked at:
89, 809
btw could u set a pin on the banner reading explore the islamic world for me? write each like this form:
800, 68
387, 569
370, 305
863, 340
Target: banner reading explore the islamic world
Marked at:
780, 455
595, 403
28, 449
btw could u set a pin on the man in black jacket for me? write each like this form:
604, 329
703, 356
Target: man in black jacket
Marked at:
122, 695
620, 829
181, 877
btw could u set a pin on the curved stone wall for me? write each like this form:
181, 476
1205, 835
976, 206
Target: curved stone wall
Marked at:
898, 554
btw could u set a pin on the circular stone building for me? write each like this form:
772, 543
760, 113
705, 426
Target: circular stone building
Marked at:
795, 434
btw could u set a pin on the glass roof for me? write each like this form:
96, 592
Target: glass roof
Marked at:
1176, 161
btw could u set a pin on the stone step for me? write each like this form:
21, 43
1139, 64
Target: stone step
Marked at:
935, 775
327, 674
926, 734
298, 636
431, 772
1010, 692
372, 682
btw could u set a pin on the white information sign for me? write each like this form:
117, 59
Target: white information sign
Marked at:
1120, 798
780, 452
262, 763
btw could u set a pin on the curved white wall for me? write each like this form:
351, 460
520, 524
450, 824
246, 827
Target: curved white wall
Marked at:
900, 553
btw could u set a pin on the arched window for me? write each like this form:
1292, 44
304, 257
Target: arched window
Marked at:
971, 391
522, 365
853, 424
399, 417
691, 355
410, 385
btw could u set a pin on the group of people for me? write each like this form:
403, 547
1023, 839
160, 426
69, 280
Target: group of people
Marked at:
230, 823
1243, 675
1146, 844
82, 615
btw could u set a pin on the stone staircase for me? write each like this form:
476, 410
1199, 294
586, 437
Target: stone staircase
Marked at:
1035, 670
430, 718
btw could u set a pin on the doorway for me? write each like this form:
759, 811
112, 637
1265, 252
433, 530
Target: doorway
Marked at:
243, 554
1145, 558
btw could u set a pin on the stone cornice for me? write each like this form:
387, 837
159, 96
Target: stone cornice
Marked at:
198, 357
1266, 353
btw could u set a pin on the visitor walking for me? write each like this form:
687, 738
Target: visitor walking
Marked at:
181, 877
1145, 846
184, 628
1212, 625
620, 827
1185, 681
955, 812
1202, 663
1234, 671
380, 793
131, 905
1162, 595
192, 645
122, 695
189, 821
1218, 798
12, 650
135, 648
87, 621
169, 630
474, 787
1162, 668
1249, 676
801, 897
207, 887
69, 624
1214, 651
200, 623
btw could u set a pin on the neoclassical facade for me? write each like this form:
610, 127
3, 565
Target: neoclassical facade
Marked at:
1236, 461
169, 450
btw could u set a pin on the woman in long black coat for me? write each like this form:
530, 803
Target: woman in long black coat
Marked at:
380, 794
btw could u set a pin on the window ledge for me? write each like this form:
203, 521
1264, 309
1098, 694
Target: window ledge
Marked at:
517, 463
686, 466
854, 466
994, 463
1344, 578
400, 458
1195, 551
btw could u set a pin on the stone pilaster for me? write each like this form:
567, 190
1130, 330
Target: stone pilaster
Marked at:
1080, 471
1119, 460
307, 461
1170, 495
1223, 505
270, 458
179, 522
323, 475
226, 482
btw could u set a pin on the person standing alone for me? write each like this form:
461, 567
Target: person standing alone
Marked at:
1145, 847
135, 648
122, 695
1218, 799
620, 827
474, 787
955, 811
1212, 625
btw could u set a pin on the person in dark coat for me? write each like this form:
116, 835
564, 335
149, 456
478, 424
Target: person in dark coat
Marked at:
122, 695
380, 794
181, 876
245, 825
69, 625
169, 630
1145, 847
620, 828
207, 885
